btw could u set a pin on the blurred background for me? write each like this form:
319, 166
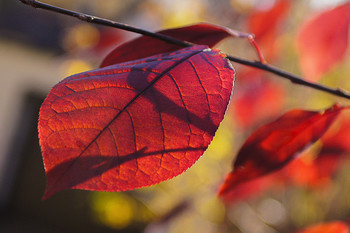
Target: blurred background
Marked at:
39, 48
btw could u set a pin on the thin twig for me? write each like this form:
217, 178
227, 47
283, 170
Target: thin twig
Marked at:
291, 77
262, 65
106, 22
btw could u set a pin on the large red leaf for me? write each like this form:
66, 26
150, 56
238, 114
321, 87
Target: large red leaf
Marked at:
329, 227
141, 47
323, 41
275, 144
133, 124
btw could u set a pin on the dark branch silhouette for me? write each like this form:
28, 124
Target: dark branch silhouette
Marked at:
262, 65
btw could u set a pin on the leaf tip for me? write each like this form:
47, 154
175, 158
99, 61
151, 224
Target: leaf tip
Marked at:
52, 188
48, 193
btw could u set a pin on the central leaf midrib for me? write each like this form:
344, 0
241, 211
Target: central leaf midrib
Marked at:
157, 78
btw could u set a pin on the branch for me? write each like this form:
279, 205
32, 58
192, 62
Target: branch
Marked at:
105, 22
262, 65
291, 77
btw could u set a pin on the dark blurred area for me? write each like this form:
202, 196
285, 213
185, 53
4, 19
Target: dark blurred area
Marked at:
39, 48
43, 31
28, 33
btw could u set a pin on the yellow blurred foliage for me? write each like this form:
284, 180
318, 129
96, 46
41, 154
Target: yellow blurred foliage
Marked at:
80, 37
212, 209
118, 210
74, 66
184, 12
115, 210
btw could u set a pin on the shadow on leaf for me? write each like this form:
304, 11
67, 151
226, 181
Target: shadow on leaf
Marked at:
73, 172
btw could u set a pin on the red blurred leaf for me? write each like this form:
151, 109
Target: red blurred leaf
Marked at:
251, 188
134, 124
141, 47
108, 38
273, 145
308, 170
314, 173
336, 140
301, 172
329, 227
335, 143
323, 41
264, 24
249, 101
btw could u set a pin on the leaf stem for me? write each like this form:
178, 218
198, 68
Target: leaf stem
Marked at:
262, 64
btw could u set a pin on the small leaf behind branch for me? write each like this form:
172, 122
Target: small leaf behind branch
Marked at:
266, 25
323, 41
202, 34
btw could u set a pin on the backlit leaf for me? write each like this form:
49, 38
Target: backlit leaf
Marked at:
323, 41
141, 47
315, 172
133, 124
273, 145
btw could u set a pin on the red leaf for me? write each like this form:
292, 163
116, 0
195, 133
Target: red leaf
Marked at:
250, 100
108, 38
336, 140
251, 188
323, 40
308, 170
264, 24
315, 173
275, 144
141, 47
330, 227
134, 124
300, 171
